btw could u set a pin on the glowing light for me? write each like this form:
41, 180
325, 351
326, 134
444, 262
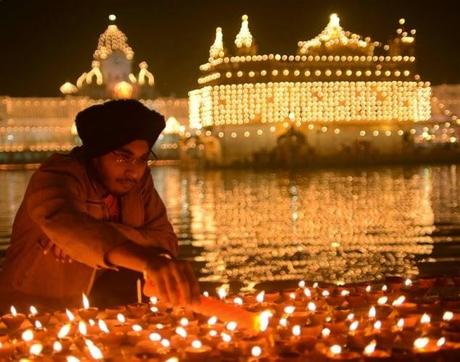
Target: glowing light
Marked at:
197, 344
372, 312
370, 348
33, 310
260, 297
181, 332
155, 337
85, 301
421, 342
36, 349
425, 319
447, 316
103, 326
95, 352
82, 328
256, 351
296, 330
335, 349
64, 330
27, 335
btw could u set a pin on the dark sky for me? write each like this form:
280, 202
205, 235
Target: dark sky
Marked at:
45, 43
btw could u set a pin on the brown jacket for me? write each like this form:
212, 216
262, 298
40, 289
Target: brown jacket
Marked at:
64, 204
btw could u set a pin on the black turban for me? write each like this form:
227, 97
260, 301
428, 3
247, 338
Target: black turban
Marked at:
105, 127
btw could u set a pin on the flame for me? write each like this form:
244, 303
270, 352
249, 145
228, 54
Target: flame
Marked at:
153, 300
13, 311
441, 341
85, 301
212, 320
226, 337
213, 333
350, 316
372, 312
206, 293
260, 297
377, 325
36, 349
256, 351
121, 318
231, 326
326, 332
335, 349
384, 288
345, 292
311, 306
264, 320
301, 284
91, 322
353, 326
57, 346
165, 343
400, 323
159, 326
292, 295
155, 337
82, 328
27, 335
370, 348
307, 292
103, 326
425, 319
368, 288
222, 291
325, 293
136, 328
72, 359
315, 285
181, 332
183, 321
283, 322
398, 301
197, 343
289, 309
382, 300
296, 330
33, 310
447, 316
70, 315
64, 331
154, 309
408, 282
95, 352
38, 324
172, 359
238, 301
421, 342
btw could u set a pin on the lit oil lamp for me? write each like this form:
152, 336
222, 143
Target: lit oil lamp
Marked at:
197, 351
336, 353
371, 354
87, 312
13, 320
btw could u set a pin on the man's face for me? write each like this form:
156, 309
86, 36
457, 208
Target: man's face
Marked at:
120, 170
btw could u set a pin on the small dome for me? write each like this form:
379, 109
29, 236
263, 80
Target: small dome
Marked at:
110, 40
68, 88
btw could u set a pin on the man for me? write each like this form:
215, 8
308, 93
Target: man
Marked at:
92, 210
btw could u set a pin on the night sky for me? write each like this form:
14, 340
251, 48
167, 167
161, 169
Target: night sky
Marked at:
45, 43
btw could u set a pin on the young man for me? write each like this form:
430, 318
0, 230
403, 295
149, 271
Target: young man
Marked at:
92, 210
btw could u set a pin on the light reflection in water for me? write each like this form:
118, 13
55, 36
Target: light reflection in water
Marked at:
335, 225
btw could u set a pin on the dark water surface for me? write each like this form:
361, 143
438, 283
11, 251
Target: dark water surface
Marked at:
345, 225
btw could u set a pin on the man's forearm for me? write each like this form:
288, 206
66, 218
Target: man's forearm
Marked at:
130, 256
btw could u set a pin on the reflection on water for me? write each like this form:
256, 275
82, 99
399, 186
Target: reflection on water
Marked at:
335, 225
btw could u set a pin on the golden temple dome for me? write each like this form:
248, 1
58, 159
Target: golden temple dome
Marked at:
110, 40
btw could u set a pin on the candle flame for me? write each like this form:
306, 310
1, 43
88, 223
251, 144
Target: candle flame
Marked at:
212, 320
231, 326
85, 301
256, 351
154, 309
382, 300
398, 301
311, 306
326, 332
136, 328
289, 309
38, 324
82, 328
226, 337
407, 282
57, 346
64, 331
27, 335
296, 330
264, 320
172, 359
94, 350
421, 342
103, 326
181, 332
325, 293
377, 325
301, 284
13, 311
260, 297
370, 348
400, 323
307, 292
384, 288
155, 337
368, 288
283, 322
213, 333
335, 349
353, 326
33, 310
91, 322
165, 343
372, 312
206, 293
448, 315
441, 341
70, 315
350, 316
72, 359
238, 301
345, 292
153, 300
292, 295
121, 318
183, 321
36, 349
197, 343
425, 319
315, 285
159, 326
222, 291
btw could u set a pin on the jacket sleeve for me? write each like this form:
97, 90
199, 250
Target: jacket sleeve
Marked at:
157, 231
55, 202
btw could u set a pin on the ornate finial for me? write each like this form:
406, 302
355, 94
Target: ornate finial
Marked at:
244, 37
112, 17
217, 48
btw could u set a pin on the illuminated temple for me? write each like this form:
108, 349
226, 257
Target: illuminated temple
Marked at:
31, 127
340, 93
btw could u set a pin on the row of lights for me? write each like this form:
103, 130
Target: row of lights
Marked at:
36, 148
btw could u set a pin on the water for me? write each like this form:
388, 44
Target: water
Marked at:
265, 227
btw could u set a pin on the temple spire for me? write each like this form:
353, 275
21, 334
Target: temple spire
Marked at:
217, 48
244, 40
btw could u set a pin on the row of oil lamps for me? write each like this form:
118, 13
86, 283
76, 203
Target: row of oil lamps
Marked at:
380, 321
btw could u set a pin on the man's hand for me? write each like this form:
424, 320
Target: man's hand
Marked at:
172, 281
57, 251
